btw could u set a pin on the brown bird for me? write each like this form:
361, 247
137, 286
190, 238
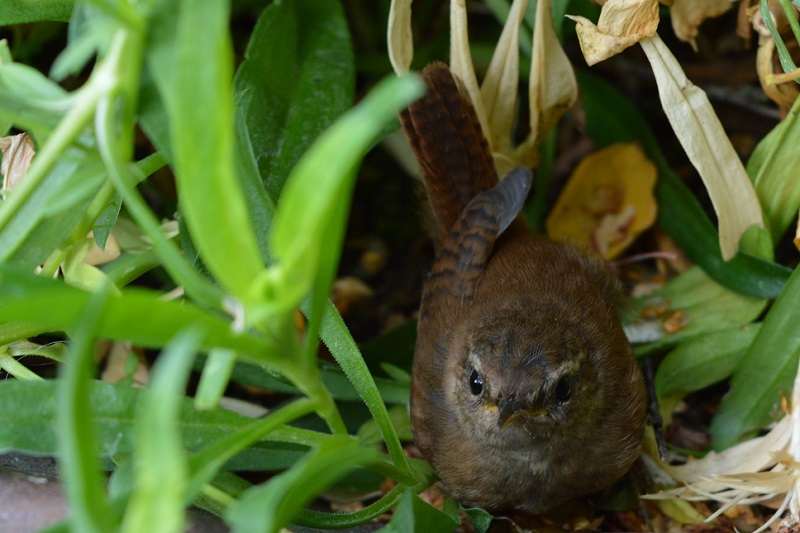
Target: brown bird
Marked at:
525, 392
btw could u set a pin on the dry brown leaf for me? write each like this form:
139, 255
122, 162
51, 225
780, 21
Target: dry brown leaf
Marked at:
607, 202
18, 151
797, 234
622, 23
704, 140
688, 15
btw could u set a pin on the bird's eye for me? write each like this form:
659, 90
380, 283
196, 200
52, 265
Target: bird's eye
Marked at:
475, 383
563, 390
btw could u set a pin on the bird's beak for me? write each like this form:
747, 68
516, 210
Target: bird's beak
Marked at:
509, 409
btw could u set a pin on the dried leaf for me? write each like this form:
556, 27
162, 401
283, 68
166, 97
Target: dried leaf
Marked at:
399, 38
499, 88
622, 23
97, 256
607, 202
18, 151
461, 60
688, 15
698, 129
552, 88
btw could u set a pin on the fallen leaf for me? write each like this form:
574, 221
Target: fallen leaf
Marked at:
688, 15
622, 23
607, 202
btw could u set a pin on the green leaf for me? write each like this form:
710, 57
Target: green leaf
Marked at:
24, 295
703, 360
772, 169
480, 519
268, 507
413, 514
199, 78
24, 11
214, 379
308, 226
705, 306
297, 78
611, 118
160, 469
767, 369
77, 444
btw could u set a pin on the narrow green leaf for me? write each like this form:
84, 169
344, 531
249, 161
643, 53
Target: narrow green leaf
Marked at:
766, 371
771, 167
318, 190
297, 78
199, 102
24, 295
268, 507
214, 379
414, 515
160, 469
77, 444
704, 360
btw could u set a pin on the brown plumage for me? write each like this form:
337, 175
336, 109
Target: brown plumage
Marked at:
525, 392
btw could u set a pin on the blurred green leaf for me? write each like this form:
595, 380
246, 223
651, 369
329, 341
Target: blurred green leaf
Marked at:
611, 118
75, 427
22, 11
198, 77
214, 379
24, 295
160, 469
480, 519
703, 360
766, 371
296, 79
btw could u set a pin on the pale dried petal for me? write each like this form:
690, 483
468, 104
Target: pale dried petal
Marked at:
797, 234
552, 88
399, 38
97, 256
499, 88
698, 129
461, 60
622, 23
18, 151
688, 15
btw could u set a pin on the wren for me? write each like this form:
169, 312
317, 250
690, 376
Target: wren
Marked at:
525, 393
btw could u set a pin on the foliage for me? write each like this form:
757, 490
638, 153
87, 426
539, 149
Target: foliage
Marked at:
264, 152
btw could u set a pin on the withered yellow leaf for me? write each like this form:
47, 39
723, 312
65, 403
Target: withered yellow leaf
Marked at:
607, 202
622, 23
687, 15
